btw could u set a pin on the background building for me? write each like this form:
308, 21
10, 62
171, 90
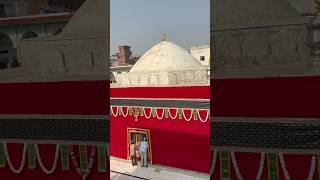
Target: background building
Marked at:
125, 56
121, 62
23, 19
11, 8
202, 53
14, 29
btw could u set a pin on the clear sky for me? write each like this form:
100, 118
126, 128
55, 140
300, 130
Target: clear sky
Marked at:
140, 23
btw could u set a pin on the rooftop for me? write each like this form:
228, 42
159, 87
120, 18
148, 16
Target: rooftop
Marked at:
237, 14
34, 19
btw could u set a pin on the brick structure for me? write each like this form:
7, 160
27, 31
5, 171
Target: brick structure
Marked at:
34, 6
124, 55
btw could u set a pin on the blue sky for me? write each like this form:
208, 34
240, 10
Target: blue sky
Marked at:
140, 23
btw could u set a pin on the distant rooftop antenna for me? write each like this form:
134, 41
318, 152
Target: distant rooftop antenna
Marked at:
164, 37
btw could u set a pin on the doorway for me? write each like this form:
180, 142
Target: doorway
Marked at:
137, 136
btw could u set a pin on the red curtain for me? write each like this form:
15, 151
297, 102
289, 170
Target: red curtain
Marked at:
175, 143
77, 98
266, 97
50, 98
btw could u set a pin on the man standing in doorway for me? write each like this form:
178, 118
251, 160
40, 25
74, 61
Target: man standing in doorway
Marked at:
144, 152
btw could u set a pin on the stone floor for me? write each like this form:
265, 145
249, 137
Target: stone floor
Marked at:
123, 170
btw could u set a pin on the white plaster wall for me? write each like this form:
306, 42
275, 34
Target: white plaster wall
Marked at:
198, 51
267, 51
195, 76
21, 29
303, 6
16, 33
68, 58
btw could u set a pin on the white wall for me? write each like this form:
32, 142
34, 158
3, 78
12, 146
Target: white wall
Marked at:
201, 51
303, 6
16, 33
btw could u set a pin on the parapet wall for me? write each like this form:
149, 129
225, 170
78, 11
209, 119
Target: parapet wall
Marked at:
66, 57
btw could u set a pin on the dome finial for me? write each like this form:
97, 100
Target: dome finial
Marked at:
164, 37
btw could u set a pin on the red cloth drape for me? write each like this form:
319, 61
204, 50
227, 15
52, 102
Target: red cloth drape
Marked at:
175, 143
51, 98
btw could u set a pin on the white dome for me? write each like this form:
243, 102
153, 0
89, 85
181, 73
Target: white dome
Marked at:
164, 57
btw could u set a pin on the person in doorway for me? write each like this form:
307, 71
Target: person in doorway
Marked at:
133, 153
144, 152
138, 157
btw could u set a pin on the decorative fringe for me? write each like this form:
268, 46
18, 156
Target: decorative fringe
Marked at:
312, 167
83, 157
166, 113
2, 156
55, 161
84, 173
136, 112
120, 111
272, 160
284, 166
102, 165
64, 152
213, 163
237, 170
130, 111
154, 112
23, 159
31, 156
32, 151
180, 113
318, 157
224, 165
195, 114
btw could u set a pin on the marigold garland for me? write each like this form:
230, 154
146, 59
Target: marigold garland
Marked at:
84, 173
33, 153
159, 113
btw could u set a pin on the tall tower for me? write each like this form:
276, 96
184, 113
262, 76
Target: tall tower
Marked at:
124, 55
